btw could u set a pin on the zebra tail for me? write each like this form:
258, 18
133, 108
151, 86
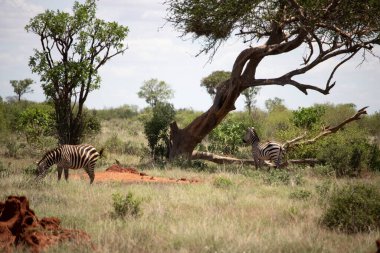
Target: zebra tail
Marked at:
101, 151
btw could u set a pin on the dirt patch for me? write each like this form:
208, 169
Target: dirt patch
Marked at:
131, 175
19, 226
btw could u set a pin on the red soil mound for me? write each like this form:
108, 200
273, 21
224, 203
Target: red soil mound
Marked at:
131, 175
19, 226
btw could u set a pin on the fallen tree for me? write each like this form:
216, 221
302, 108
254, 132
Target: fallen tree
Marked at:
288, 145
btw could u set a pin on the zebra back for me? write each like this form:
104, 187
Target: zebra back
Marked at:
79, 156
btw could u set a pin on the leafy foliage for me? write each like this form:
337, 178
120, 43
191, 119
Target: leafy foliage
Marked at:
128, 206
222, 182
300, 194
353, 208
212, 81
227, 137
154, 91
307, 117
36, 122
156, 129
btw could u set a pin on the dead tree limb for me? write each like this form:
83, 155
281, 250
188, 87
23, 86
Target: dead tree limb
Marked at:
326, 131
231, 160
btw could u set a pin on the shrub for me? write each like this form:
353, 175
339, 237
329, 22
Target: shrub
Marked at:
353, 208
36, 121
307, 117
114, 145
300, 194
126, 206
31, 170
156, 129
344, 151
222, 182
374, 158
13, 147
274, 177
3, 170
227, 137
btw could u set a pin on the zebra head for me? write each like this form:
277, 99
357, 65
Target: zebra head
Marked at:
251, 136
42, 166
47, 161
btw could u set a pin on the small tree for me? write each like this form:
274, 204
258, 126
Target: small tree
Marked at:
156, 129
275, 104
212, 81
73, 48
21, 87
154, 91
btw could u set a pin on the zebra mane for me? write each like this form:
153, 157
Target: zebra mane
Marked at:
47, 154
253, 132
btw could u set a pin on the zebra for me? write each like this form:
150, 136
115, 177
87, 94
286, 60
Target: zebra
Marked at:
270, 150
69, 157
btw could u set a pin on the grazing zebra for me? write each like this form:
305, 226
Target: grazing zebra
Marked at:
272, 151
70, 157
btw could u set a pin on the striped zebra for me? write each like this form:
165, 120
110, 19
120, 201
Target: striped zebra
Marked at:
69, 157
270, 150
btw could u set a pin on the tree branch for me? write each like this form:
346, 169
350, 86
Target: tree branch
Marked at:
326, 131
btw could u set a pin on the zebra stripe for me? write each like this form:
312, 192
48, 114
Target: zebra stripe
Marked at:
70, 157
270, 150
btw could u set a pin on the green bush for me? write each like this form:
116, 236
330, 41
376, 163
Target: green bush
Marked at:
222, 182
353, 208
126, 206
345, 151
36, 122
275, 177
300, 194
227, 137
13, 146
307, 117
156, 129
374, 158
31, 170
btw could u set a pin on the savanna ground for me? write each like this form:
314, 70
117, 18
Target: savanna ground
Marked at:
233, 209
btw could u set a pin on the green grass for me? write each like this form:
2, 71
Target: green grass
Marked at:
232, 209
251, 216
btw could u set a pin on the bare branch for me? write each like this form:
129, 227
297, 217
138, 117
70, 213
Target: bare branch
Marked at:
326, 131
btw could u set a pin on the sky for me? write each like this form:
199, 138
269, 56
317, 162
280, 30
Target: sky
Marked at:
157, 50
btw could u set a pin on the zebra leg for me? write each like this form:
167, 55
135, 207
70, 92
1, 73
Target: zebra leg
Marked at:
59, 172
278, 160
66, 174
257, 162
90, 172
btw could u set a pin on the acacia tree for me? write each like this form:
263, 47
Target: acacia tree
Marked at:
20, 87
73, 48
329, 29
154, 91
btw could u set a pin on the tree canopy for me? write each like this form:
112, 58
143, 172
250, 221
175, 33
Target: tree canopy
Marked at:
20, 87
154, 91
73, 48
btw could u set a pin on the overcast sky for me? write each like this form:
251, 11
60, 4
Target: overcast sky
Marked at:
155, 50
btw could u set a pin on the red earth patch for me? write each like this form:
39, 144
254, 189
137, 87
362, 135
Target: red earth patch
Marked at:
19, 226
131, 175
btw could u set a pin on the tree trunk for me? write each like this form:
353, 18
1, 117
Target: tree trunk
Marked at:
183, 141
